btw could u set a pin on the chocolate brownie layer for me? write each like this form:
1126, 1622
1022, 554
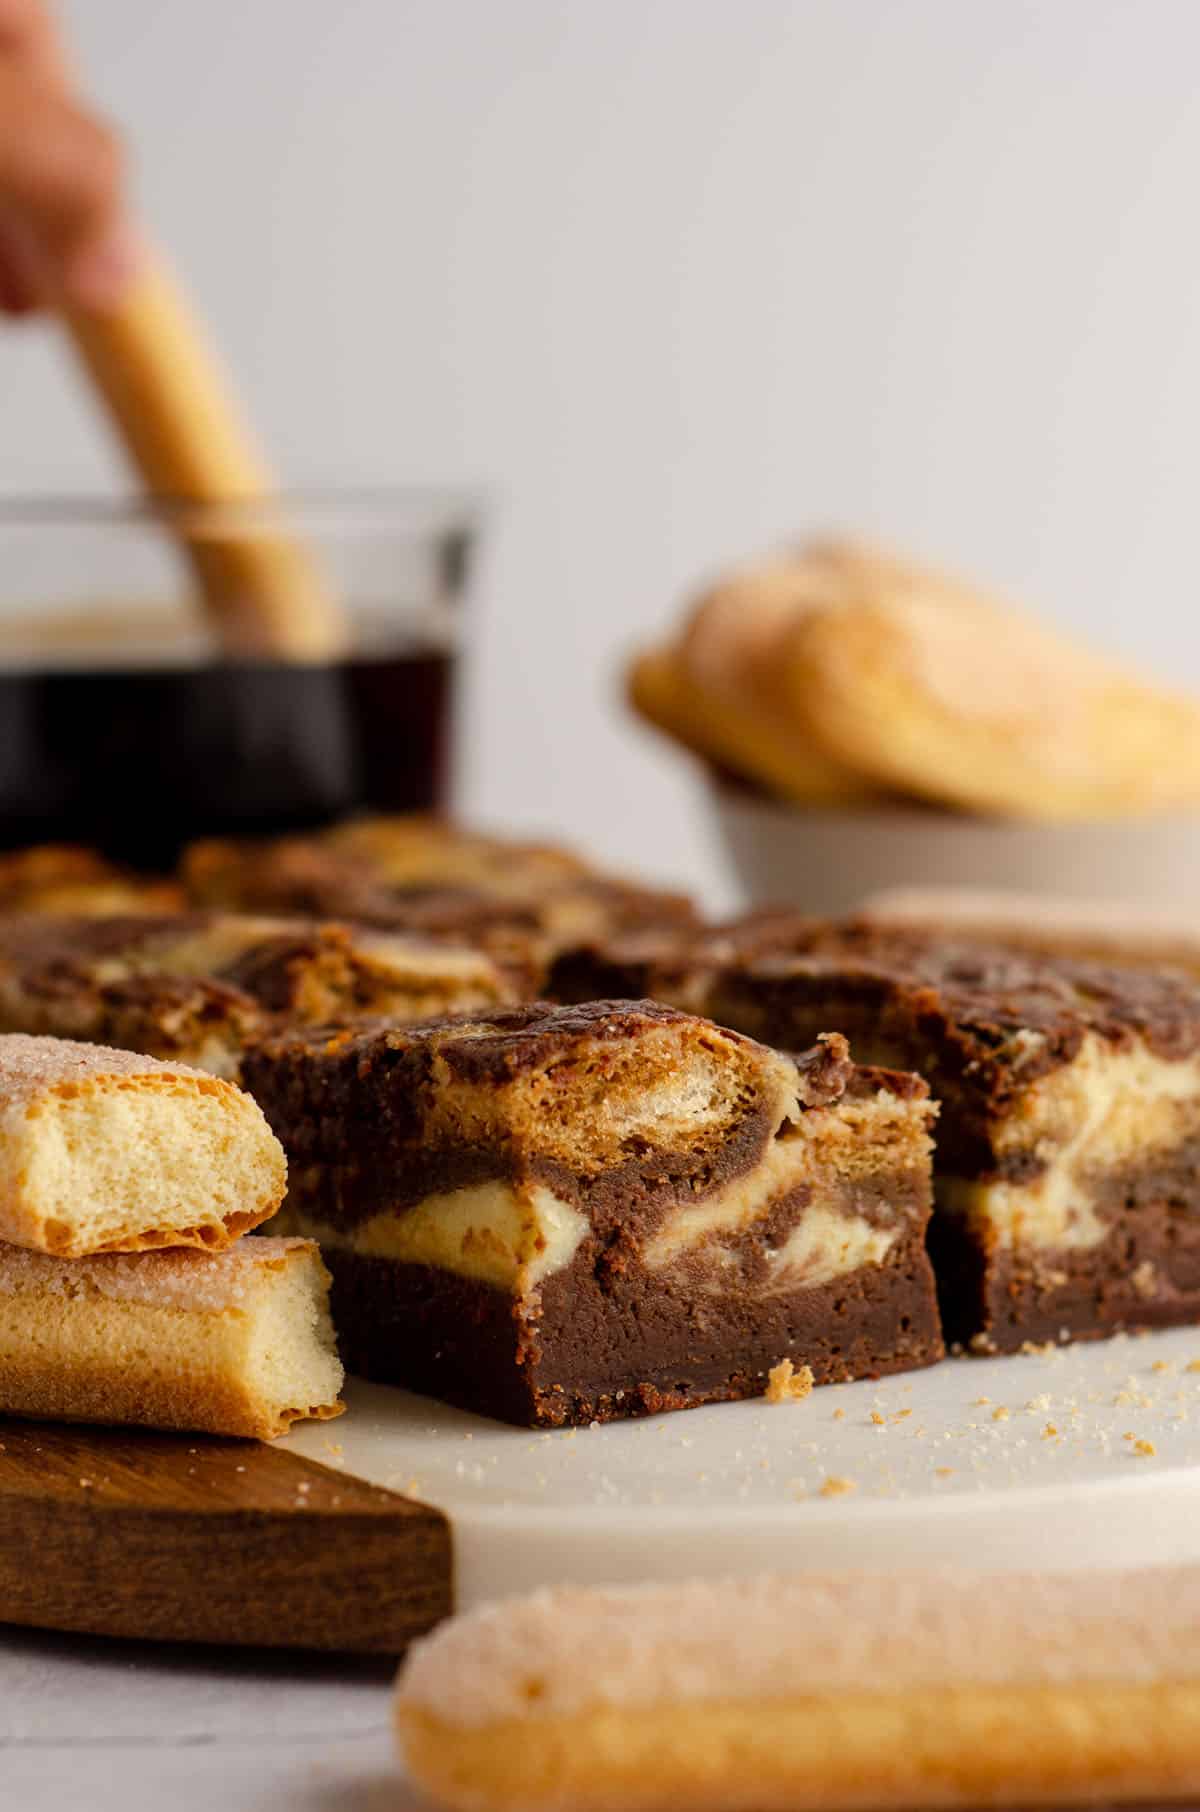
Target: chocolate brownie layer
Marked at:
1068, 1148
598, 1354
619, 1206
1144, 1272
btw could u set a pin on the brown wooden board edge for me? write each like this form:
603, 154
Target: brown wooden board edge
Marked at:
185, 1538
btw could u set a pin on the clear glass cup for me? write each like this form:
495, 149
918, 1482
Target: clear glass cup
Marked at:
127, 724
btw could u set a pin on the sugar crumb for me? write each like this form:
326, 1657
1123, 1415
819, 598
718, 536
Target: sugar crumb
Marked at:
900, 1415
1000, 1414
839, 1415
1145, 1447
978, 1402
787, 1383
836, 1486
879, 1421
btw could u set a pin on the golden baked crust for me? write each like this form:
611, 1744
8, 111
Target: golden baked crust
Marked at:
1047, 1746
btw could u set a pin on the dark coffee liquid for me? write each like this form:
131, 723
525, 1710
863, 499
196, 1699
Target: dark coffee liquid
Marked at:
138, 761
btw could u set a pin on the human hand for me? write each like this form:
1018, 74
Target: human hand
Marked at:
64, 238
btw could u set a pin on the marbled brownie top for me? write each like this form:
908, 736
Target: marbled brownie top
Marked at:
1002, 1017
236, 966
672, 962
540, 1035
425, 875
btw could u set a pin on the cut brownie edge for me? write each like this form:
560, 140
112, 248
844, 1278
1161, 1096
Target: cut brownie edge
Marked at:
468, 1343
1068, 1148
1144, 1274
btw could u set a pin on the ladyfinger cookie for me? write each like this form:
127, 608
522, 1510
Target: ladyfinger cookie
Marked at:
235, 1343
814, 1693
715, 686
932, 689
104, 1151
735, 736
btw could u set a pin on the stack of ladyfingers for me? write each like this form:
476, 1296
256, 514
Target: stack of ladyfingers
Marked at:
840, 676
126, 1292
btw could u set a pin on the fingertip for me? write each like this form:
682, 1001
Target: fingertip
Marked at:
98, 275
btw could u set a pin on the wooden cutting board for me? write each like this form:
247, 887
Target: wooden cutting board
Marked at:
184, 1538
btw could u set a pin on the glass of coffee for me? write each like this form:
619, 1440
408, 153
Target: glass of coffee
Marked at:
125, 721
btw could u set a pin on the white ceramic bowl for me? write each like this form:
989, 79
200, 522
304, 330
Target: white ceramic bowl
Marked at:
829, 862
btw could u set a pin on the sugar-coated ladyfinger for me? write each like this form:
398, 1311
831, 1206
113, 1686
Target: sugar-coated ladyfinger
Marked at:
814, 1694
102, 1151
236, 1342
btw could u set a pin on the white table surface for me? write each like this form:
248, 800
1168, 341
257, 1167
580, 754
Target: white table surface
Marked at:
89, 1725
97, 1726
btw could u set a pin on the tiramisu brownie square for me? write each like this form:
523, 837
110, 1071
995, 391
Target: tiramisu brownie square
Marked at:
676, 964
63, 877
199, 987
1068, 1143
424, 876
1093, 931
557, 1214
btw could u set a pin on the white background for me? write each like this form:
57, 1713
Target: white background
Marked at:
677, 279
